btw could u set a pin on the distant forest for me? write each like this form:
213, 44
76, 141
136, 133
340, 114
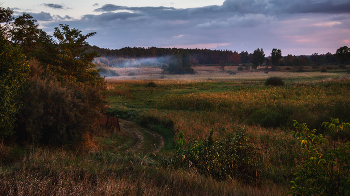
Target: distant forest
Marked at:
153, 56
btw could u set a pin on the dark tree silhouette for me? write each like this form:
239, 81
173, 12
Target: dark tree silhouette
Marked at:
258, 58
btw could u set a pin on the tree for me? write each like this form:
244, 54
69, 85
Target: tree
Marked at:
343, 54
25, 33
276, 55
258, 58
14, 71
5, 17
180, 63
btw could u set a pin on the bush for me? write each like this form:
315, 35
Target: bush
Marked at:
58, 113
232, 72
325, 171
240, 68
14, 71
274, 81
151, 84
131, 74
233, 157
323, 70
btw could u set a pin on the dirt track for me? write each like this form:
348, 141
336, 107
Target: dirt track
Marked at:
146, 141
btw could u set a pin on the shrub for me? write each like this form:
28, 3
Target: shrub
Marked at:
240, 68
232, 72
233, 157
274, 81
14, 71
325, 171
323, 70
151, 84
131, 74
58, 113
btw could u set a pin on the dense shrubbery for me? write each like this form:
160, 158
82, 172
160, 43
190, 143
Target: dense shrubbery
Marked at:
58, 113
326, 171
64, 95
14, 71
274, 81
234, 157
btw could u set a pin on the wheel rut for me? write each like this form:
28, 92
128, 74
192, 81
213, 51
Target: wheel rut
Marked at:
146, 141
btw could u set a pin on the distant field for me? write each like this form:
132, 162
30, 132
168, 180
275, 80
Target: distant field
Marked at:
208, 73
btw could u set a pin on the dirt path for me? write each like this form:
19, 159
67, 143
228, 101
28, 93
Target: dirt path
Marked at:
146, 141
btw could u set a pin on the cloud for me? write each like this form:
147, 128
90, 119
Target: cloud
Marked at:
248, 20
42, 16
111, 7
105, 17
287, 6
236, 25
54, 6
95, 4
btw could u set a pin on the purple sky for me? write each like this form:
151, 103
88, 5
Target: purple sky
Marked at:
294, 26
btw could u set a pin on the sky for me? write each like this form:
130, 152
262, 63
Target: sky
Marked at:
298, 27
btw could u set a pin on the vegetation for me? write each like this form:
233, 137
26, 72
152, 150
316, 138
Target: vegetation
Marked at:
326, 168
258, 58
63, 95
14, 70
274, 81
222, 137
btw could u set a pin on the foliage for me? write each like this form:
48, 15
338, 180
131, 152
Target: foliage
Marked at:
24, 33
179, 64
56, 114
326, 170
274, 81
233, 157
343, 54
5, 17
240, 68
14, 70
258, 58
151, 84
276, 55
267, 118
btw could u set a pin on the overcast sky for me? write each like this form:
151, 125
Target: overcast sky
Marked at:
294, 26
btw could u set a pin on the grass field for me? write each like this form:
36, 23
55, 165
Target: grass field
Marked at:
195, 105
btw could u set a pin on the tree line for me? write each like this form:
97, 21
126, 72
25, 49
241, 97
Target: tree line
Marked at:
223, 57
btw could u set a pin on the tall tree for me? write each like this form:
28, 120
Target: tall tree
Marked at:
258, 58
343, 54
25, 33
276, 55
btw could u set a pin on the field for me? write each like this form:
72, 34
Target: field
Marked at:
131, 162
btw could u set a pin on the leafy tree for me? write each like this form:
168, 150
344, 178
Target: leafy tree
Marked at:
5, 17
13, 75
180, 64
343, 54
24, 33
276, 55
258, 58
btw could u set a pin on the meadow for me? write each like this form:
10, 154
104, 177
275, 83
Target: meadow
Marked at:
186, 108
